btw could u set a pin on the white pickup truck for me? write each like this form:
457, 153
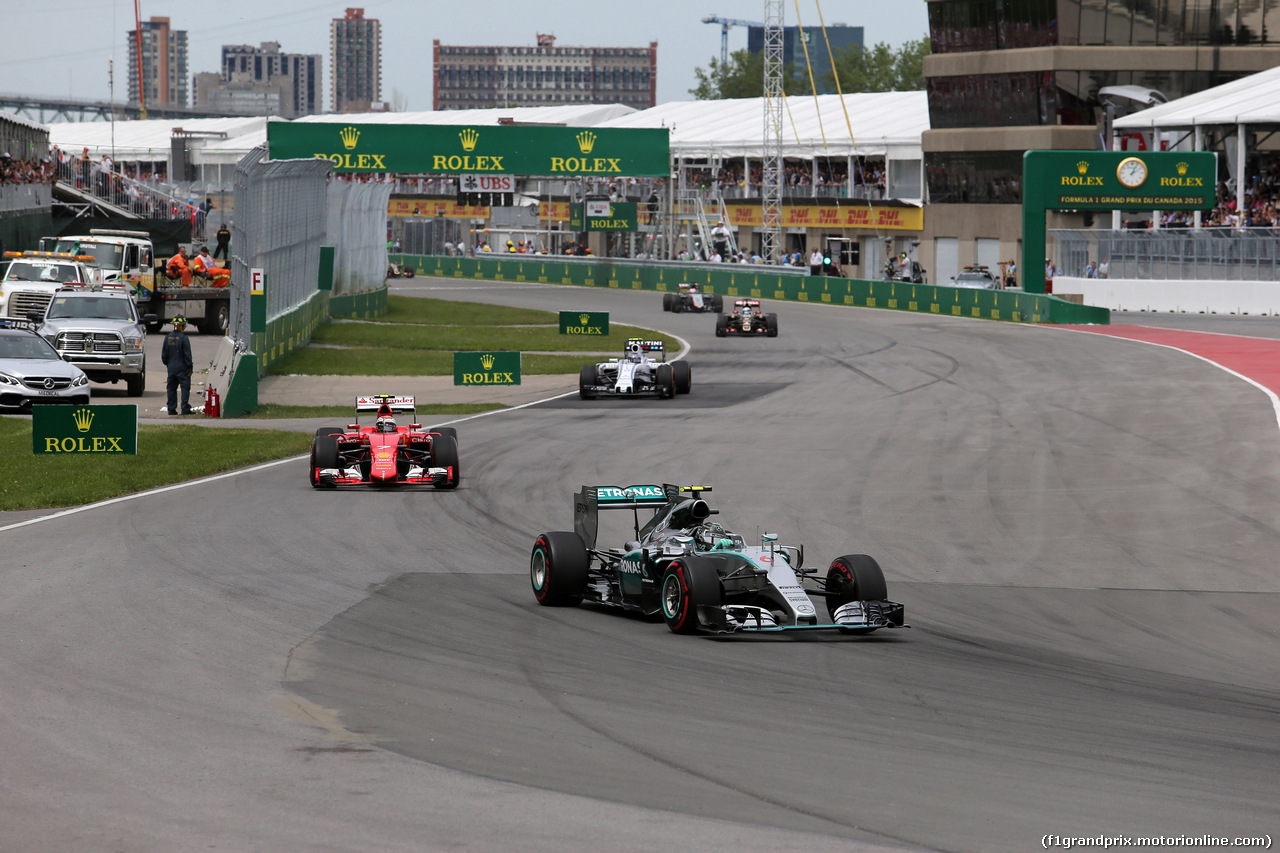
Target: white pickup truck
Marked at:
33, 277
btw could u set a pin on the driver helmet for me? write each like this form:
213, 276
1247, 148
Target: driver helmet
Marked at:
386, 423
633, 351
693, 285
707, 535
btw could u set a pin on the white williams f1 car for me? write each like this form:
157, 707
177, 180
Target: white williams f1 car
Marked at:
636, 374
700, 576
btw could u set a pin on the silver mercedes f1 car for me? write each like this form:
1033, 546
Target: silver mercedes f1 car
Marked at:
700, 576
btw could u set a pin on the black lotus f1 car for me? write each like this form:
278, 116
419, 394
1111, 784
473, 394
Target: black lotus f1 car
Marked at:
747, 318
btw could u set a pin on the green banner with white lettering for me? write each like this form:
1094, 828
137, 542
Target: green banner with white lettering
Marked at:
584, 322
486, 368
475, 149
84, 429
603, 216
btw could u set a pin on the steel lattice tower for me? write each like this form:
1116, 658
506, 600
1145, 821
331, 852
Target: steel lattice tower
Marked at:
771, 179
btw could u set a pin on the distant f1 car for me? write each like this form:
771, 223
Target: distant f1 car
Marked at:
700, 576
384, 453
689, 297
746, 318
636, 374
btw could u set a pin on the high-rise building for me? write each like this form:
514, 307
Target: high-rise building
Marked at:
355, 56
164, 64
1005, 78
261, 81
475, 77
795, 41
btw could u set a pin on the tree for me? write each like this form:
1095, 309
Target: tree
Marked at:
880, 68
741, 77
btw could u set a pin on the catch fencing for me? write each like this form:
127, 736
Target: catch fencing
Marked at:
1175, 254
356, 225
279, 228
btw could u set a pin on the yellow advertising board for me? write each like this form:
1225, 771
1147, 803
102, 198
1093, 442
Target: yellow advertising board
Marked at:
435, 207
851, 215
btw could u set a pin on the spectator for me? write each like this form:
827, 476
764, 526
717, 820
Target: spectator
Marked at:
815, 262
176, 355
1104, 268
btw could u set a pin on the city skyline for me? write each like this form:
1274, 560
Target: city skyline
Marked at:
30, 68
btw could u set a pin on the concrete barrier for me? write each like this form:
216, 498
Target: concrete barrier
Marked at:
1202, 296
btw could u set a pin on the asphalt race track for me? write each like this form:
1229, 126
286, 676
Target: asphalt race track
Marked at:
1083, 530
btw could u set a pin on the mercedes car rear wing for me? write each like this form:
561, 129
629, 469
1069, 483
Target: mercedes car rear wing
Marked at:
588, 502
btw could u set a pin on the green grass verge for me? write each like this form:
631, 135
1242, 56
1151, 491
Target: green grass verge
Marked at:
477, 338
166, 454
443, 312
310, 361
345, 413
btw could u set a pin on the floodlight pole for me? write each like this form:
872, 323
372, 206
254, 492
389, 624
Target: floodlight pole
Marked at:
771, 178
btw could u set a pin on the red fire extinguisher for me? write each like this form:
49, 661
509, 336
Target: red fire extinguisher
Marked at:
212, 403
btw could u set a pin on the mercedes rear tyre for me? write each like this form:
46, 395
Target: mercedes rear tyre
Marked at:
683, 376
586, 382
687, 584
666, 379
558, 569
771, 325
722, 325
854, 577
444, 454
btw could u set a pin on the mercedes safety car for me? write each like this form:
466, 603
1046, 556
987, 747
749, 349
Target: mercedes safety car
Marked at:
699, 576
689, 297
385, 453
637, 374
747, 318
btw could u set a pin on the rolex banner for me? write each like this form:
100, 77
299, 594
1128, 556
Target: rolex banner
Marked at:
584, 322
84, 429
479, 149
486, 368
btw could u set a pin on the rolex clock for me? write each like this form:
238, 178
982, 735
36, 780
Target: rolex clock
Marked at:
1132, 172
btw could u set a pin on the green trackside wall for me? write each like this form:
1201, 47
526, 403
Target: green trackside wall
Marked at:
745, 281
359, 306
294, 328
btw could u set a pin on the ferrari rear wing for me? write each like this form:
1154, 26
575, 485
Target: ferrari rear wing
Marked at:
375, 402
588, 502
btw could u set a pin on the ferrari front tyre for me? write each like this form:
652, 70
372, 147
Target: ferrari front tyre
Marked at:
688, 583
449, 431
665, 378
324, 454
854, 577
771, 325
666, 301
558, 569
330, 431
586, 382
444, 454
683, 376
722, 325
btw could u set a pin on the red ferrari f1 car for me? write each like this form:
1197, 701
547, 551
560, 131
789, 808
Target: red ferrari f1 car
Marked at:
384, 453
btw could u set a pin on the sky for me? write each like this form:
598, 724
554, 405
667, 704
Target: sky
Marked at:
72, 43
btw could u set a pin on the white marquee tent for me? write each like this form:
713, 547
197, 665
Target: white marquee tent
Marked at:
1248, 102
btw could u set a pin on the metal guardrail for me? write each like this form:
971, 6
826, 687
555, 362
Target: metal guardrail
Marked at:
1224, 254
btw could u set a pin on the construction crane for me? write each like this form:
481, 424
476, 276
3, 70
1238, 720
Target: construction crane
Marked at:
725, 24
